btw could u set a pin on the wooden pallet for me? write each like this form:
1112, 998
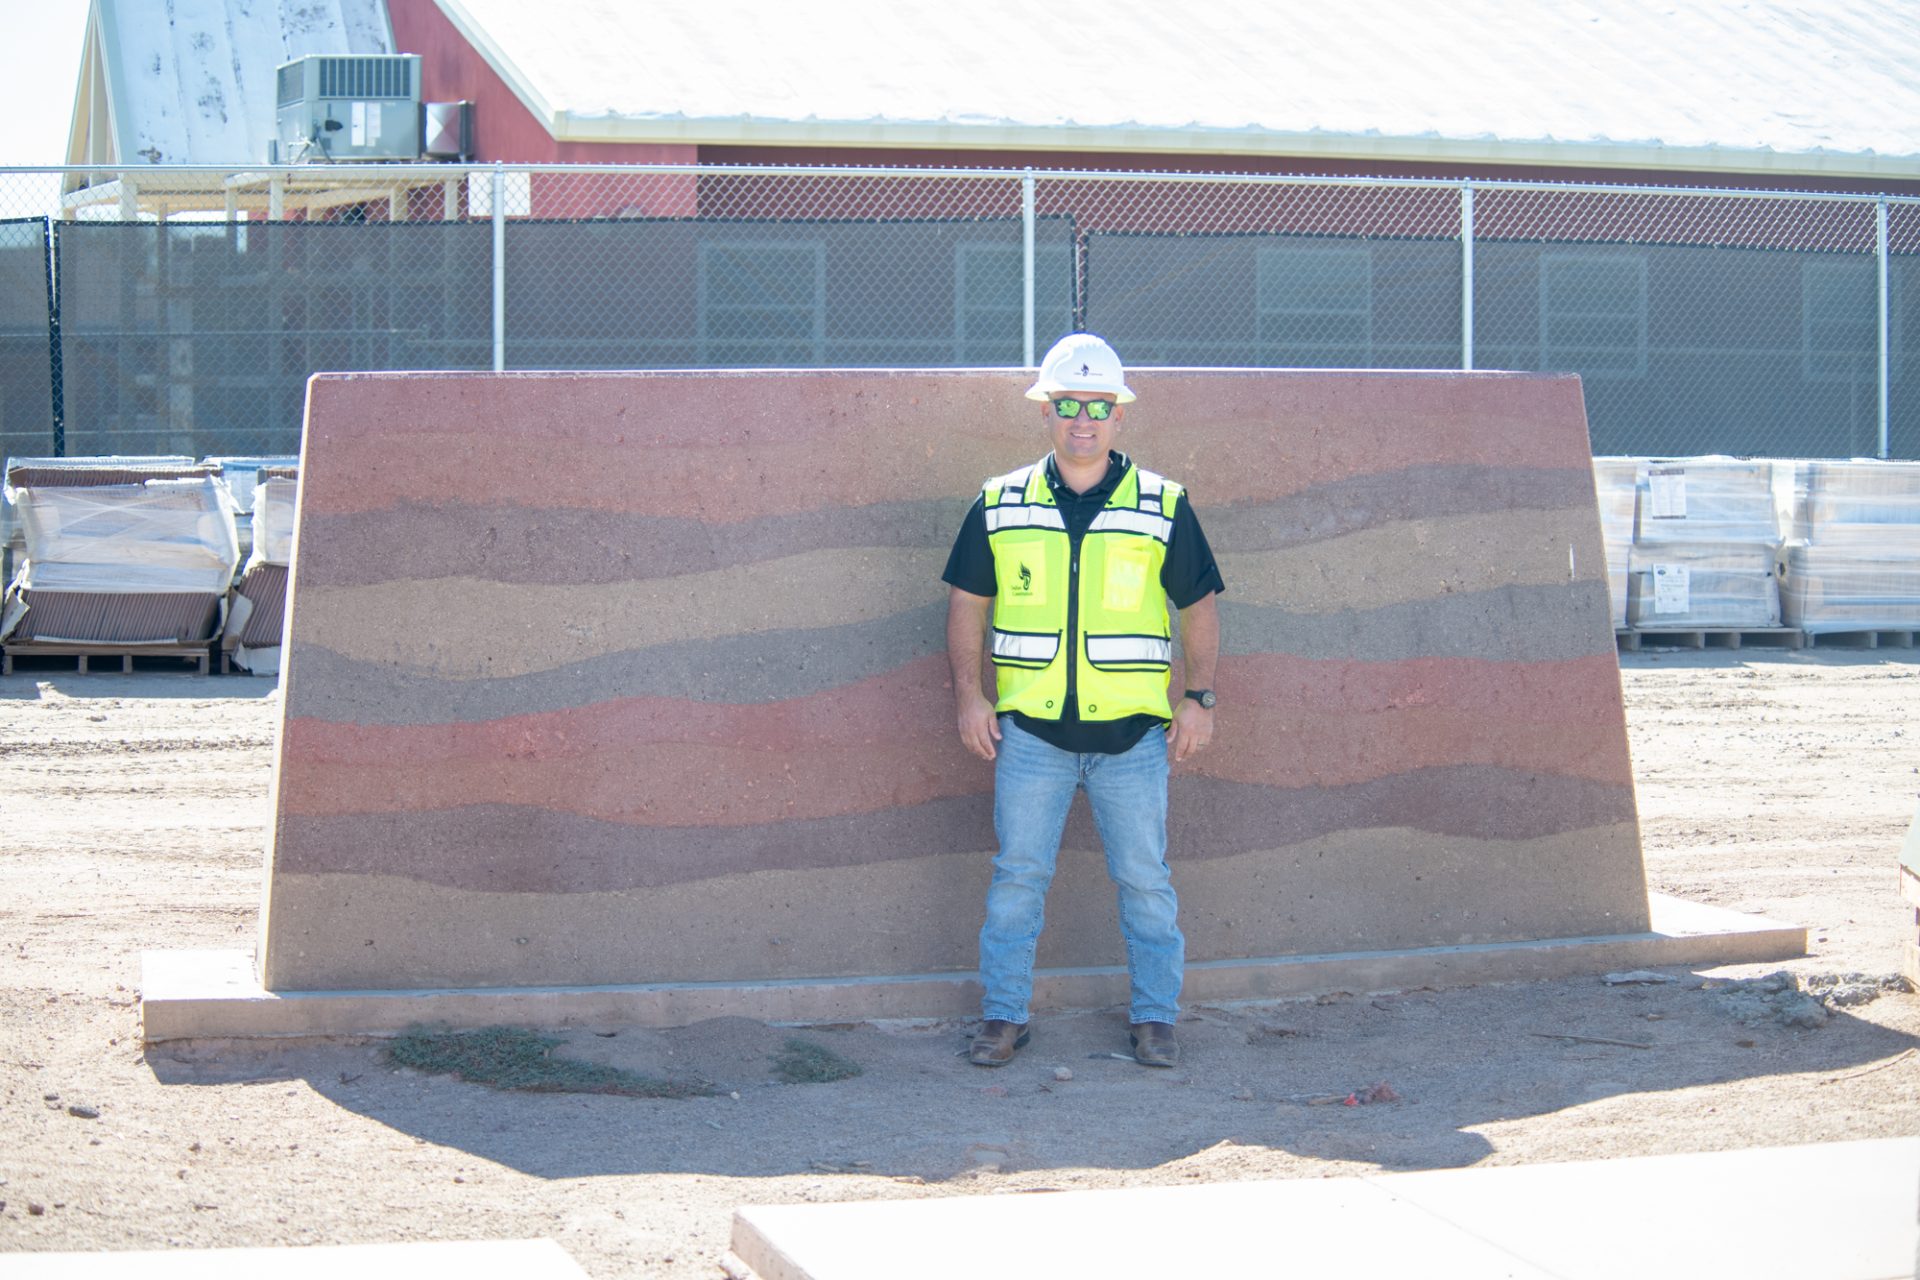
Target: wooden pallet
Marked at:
1633, 639
1880, 638
199, 654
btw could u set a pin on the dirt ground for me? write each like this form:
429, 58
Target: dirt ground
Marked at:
133, 810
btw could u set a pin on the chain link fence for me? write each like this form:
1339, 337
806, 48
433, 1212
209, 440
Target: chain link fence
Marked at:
172, 311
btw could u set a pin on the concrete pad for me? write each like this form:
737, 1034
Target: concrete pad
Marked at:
521, 1259
1680, 1216
202, 994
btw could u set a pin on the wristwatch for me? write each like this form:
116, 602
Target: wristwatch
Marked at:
1202, 696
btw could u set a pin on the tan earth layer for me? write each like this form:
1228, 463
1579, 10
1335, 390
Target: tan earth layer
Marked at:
922, 915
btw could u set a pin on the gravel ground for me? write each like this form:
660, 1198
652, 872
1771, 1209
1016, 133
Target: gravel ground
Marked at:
133, 807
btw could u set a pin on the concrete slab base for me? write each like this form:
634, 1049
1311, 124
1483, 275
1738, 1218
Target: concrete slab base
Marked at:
202, 994
1650, 1217
521, 1259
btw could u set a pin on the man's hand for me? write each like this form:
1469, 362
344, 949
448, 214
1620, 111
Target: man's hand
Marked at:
979, 727
967, 616
1192, 729
1192, 726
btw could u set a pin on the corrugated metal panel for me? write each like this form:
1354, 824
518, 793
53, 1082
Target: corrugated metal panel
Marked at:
266, 586
28, 475
91, 617
194, 82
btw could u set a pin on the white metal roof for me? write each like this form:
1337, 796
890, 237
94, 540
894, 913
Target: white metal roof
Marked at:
192, 81
1824, 86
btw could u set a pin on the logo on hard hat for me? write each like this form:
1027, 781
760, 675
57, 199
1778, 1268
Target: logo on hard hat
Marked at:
1085, 370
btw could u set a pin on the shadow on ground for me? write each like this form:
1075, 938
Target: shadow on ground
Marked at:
35, 677
1272, 1076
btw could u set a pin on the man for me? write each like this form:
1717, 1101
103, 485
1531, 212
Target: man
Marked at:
1071, 562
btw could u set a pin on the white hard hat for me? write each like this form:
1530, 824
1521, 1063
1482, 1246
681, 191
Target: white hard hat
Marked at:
1081, 362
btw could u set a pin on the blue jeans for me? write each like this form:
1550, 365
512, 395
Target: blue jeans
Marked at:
1033, 786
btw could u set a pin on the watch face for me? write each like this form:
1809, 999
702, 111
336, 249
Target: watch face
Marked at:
1205, 698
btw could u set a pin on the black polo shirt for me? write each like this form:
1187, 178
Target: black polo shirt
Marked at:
1188, 574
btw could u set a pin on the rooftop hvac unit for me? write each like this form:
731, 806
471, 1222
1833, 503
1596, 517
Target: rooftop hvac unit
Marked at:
353, 108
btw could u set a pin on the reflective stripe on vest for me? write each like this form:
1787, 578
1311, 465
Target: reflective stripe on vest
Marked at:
1156, 527
1129, 651
1025, 648
1022, 516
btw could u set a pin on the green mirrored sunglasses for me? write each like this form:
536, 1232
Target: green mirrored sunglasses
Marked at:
1097, 410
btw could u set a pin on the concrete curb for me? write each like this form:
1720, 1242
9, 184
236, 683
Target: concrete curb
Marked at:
205, 994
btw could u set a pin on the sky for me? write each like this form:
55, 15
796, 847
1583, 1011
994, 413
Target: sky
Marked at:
39, 67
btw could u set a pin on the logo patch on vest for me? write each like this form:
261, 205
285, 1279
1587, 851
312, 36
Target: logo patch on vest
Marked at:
1028, 585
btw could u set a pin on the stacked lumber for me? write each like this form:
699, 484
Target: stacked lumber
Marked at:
1706, 537
1852, 560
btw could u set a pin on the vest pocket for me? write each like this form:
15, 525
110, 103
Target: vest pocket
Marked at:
1129, 653
1030, 649
1127, 566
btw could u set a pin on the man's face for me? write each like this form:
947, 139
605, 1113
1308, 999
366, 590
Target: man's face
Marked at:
1081, 438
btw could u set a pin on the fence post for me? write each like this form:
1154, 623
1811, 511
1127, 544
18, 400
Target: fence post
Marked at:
1026, 264
499, 269
1466, 276
1880, 252
56, 378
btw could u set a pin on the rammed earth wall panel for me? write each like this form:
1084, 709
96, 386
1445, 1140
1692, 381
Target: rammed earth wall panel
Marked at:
629, 678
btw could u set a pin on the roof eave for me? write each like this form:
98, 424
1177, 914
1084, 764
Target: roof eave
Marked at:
496, 58
605, 128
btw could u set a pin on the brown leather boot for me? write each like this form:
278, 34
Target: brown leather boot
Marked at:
1153, 1044
996, 1041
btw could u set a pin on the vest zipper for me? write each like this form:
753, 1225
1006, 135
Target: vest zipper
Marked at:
1073, 622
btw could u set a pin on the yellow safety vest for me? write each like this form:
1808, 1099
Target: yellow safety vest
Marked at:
1103, 610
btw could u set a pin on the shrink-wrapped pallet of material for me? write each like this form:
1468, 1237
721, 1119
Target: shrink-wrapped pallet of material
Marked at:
82, 472
1705, 585
1828, 587
1615, 482
119, 554
256, 612
1708, 500
1706, 538
242, 472
1853, 561
1856, 491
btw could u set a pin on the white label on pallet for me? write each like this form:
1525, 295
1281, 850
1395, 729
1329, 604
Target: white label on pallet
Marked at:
1668, 492
1670, 588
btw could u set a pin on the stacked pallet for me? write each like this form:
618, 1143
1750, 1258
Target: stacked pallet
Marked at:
1706, 538
1852, 558
121, 556
256, 611
83, 470
1615, 484
241, 472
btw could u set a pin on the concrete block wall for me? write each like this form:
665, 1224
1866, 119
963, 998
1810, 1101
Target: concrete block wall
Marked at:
640, 677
